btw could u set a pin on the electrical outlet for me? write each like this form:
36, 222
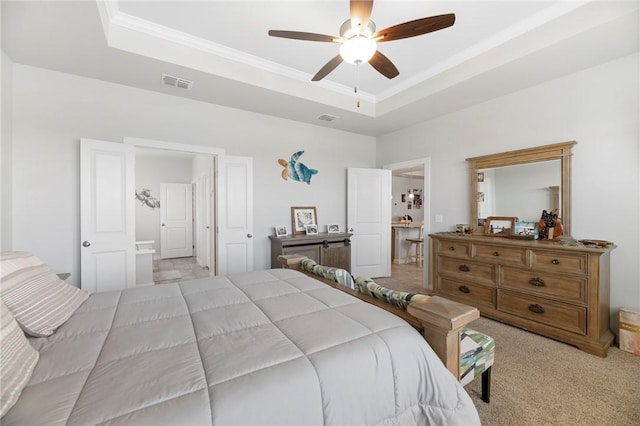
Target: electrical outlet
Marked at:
439, 218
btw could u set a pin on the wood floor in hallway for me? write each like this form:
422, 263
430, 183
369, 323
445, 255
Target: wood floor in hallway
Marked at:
404, 277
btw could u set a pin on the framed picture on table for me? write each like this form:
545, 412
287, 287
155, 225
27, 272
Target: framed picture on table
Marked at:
499, 226
301, 217
281, 231
311, 229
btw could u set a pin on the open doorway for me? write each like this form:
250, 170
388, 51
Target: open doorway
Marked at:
410, 212
173, 215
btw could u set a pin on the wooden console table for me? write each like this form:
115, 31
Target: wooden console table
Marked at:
326, 249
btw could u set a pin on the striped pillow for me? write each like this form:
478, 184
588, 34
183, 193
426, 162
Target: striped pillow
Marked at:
17, 360
39, 300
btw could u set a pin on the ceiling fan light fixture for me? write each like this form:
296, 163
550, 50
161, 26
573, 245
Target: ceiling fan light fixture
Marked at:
358, 49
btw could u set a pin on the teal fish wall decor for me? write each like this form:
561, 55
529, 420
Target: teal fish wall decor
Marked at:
296, 170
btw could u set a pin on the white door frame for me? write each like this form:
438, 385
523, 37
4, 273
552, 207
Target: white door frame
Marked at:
426, 163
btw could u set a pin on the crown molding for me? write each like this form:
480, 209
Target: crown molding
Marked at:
113, 18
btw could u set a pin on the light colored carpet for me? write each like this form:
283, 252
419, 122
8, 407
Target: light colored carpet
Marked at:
539, 381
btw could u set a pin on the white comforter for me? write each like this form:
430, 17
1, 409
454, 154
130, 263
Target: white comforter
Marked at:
270, 347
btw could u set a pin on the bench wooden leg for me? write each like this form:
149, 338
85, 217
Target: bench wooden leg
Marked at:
486, 385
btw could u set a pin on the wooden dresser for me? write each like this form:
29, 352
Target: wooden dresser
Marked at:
326, 249
561, 292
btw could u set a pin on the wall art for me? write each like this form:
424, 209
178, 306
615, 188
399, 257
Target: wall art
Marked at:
296, 170
145, 198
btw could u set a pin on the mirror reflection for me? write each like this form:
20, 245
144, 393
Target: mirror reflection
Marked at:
522, 190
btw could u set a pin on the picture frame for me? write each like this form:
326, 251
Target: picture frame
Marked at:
499, 226
281, 231
333, 229
527, 230
311, 229
302, 216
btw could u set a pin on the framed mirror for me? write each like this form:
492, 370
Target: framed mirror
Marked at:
522, 183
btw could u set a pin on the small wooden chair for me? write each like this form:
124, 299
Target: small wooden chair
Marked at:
418, 242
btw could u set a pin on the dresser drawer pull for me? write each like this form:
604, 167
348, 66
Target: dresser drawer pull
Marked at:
464, 268
538, 282
536, 309
452, 248
555, 261
464, 289
495, 253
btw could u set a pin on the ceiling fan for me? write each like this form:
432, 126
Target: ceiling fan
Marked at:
359, 38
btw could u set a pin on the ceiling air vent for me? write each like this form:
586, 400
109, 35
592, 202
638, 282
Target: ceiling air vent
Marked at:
327, 117
180, 83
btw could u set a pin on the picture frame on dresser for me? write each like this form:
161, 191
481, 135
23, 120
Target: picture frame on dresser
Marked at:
301, 217
311, 229
500, 226
281, 231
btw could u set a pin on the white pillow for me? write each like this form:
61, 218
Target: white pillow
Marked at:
17, 360
38, 299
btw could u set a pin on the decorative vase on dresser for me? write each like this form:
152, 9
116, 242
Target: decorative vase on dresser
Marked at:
558, 291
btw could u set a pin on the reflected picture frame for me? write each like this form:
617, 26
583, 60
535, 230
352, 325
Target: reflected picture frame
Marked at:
500, 226
333, 229
302, 216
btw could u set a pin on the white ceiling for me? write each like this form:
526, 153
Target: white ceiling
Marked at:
493, 49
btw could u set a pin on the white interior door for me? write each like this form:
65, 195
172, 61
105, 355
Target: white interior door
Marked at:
369, 219
234, 214
107, 216
202, 202
176, 220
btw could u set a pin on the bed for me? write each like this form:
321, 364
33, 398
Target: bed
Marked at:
267, 347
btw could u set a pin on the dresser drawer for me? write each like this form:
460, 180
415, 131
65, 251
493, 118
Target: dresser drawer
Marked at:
467, 270
500, 254
468, 293
453, 248
569, 288
559, 262
554, 314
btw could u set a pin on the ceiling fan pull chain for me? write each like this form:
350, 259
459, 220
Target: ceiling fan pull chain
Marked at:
355, 89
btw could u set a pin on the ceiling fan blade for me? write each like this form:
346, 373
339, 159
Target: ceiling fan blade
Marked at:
329, 66
383, 65
360, 11
416, 28
297, 35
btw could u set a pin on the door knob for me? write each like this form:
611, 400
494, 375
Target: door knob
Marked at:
249, 236
350, 229
86, 244
163, 224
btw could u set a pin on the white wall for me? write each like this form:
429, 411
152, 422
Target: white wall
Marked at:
399, 186
52, 111
6, 153
597, 107
151, 171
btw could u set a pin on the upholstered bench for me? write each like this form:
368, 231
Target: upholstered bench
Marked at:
465, 352
477, 353
470, 354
